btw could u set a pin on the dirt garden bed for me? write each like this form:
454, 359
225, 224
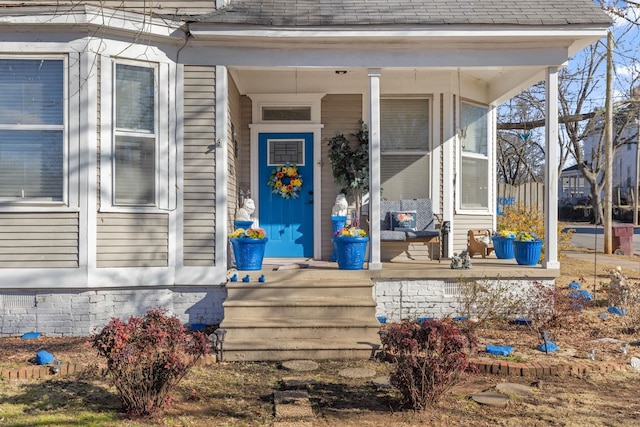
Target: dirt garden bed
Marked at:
242, 394
588, 331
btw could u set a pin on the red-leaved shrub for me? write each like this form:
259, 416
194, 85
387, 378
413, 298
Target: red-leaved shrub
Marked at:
147, 357
431, 357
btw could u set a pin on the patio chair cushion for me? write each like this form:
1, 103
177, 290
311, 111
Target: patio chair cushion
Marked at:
403, 221
423, 234
392, 236
424, 220
421, 227
386, 208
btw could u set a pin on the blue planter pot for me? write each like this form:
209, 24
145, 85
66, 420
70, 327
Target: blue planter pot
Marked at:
242, 224
338, 222
503, 247
350, 252
527, 253
248, 252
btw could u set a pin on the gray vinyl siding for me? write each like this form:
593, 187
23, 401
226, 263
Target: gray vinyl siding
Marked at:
464, 223
235, 126
172, 7
39, 240
199, 166
244, 145
340, 113
132, 240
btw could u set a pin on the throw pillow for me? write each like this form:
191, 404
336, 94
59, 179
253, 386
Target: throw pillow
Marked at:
403, 221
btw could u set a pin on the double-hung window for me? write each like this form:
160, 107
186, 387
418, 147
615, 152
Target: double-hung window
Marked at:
474, 162
32, 129
404, 148
135, 135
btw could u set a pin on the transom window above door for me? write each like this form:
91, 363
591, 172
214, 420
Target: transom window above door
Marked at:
286, 114
285, 151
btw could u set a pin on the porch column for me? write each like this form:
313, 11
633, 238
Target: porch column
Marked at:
374, 169
551, 173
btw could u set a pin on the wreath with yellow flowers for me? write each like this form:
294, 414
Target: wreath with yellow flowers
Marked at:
285, 181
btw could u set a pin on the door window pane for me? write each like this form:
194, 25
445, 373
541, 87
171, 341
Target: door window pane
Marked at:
32, 129
283, 151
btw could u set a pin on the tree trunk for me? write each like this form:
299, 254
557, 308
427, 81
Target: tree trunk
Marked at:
596, 204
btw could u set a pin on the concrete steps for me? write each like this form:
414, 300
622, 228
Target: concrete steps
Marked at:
302, 317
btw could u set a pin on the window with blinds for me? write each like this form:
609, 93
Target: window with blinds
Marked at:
405, 171
135, 135
474, 162
32, 129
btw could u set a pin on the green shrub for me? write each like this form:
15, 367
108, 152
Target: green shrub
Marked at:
430, 357
147, 357
519, 218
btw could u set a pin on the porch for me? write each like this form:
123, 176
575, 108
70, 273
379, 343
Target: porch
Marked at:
309, 309
424, 268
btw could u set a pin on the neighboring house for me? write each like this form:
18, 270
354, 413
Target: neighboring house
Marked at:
573, 188
128, 130
626, 160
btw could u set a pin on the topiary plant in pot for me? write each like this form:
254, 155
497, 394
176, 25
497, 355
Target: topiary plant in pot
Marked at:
350, 164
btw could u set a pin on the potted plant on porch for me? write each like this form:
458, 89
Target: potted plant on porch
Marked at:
351, 247
248, 247
503, 244
527, 248
350, 166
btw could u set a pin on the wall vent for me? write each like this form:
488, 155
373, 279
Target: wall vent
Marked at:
451, 288
12, 300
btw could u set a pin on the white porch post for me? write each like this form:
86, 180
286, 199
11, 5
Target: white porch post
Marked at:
374, 169
551, 173
222, 166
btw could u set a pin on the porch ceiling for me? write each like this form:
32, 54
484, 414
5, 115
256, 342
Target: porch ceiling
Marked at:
491, 85
504, 60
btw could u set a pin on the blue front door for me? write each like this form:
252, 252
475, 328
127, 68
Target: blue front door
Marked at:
287, 221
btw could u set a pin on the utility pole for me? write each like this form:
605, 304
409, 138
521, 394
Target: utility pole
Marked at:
635, 188
608, 150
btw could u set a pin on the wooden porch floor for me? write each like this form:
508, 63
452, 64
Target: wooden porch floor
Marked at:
481, 268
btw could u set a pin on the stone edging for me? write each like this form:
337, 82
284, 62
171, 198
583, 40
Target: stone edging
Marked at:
545, 369
44, 371
484, 366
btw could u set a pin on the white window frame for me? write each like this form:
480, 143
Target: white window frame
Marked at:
164, 158
35, 202
474, 155
429, 143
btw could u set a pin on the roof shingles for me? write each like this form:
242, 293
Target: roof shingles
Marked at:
300, 13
